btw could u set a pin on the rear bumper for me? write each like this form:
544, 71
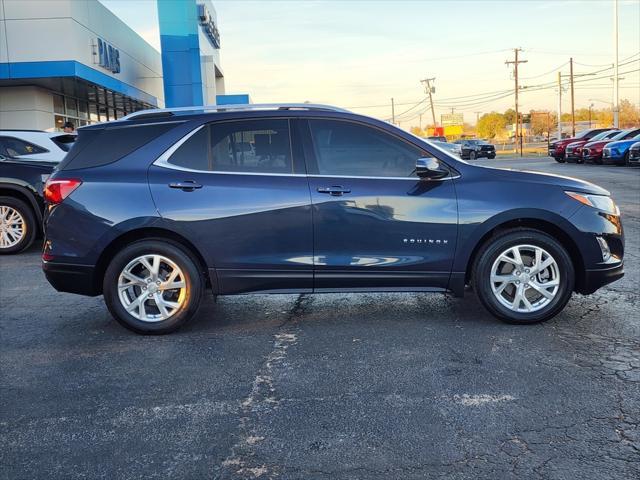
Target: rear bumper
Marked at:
595, 279
65, 277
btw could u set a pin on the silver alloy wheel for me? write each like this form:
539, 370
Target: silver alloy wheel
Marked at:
13, 227
152, 288
525, 278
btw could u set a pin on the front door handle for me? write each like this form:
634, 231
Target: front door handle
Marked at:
335, 190
186, 186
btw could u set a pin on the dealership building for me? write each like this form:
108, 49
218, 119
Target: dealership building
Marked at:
74, 60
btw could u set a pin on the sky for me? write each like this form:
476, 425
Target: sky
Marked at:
359, 54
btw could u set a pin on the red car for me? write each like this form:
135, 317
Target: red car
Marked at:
592, 151
573, 151
557, 148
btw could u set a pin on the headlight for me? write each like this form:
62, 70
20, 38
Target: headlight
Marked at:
601, 202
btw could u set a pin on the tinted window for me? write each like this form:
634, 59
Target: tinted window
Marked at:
194, 152
95, 147
13, 147
345, 148
64, 141
252, 146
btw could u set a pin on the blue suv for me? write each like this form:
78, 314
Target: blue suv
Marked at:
152, 210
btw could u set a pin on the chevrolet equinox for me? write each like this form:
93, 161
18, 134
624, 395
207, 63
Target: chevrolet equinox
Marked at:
153, 209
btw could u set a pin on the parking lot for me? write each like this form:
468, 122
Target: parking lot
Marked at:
328, 386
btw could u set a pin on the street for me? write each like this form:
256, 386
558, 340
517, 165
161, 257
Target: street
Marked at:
330, 386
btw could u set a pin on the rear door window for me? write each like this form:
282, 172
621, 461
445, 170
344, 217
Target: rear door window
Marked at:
248, 146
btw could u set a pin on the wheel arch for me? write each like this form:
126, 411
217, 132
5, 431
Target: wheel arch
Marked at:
23, 193
149, 233
552, 227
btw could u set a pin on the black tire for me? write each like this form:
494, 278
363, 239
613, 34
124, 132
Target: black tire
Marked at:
472, 155
559, 159
491, 157
522, 236
193, 278
28, 221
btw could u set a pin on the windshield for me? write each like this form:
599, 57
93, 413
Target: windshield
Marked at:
625, 134
603, 135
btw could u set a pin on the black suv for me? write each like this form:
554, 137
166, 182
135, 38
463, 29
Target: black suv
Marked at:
473, 148
21, 201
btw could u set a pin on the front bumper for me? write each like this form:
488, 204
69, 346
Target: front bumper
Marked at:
595, 279
71, 278
612, 159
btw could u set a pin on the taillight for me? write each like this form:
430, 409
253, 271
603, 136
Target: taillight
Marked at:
56, 190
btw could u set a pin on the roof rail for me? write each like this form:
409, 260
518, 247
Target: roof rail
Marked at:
238, 107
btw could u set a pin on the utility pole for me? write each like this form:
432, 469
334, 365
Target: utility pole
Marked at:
420, 121
477, 117
429, 89
393, 112
559, 106
616, 79
573, 112
515, 63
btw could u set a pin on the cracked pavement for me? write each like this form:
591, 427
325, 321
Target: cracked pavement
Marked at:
327, 386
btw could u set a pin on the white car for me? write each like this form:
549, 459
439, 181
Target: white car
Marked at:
35, 144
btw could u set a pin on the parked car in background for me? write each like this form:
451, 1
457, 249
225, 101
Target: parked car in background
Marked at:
453, 148
21, 201
35, 144
557, 148
476, 148
601, 144
573, 151
617, 152
634, 155
436, 138
325, 201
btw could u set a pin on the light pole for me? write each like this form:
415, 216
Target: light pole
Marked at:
590, 107
616, 79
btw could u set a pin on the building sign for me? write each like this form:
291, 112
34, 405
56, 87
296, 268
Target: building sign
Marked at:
208, 25
108, 56
450, 119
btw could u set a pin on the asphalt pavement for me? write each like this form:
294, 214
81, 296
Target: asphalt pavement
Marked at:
340, 386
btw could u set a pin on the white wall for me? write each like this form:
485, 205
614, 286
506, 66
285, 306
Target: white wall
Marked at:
26, 108
47, 30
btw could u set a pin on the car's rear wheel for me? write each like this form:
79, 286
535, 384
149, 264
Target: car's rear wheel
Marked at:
523, 276
17, 225
559, 159
153, 287
472, 155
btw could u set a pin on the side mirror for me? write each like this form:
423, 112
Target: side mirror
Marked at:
427, 167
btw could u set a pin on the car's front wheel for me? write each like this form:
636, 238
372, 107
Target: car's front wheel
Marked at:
523, 276
17, 225
472, 155
559, 159
153, 287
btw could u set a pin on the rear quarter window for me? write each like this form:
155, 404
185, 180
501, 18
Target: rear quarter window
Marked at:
15, 147
97, 147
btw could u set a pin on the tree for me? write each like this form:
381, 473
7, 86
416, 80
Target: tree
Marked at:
542, 122
510, 116
417, 131
491, 125
629, 114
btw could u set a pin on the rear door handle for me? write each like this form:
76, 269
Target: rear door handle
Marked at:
335, 190
187, 185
